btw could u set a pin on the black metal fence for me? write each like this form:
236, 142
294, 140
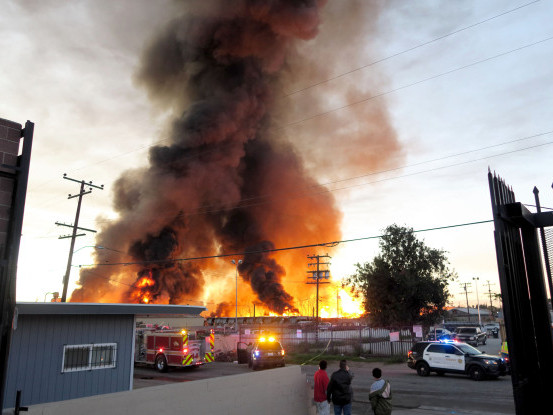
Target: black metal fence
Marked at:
360, 341
527, 322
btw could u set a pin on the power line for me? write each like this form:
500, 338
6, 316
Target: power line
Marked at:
319, 245
264, 199
430, 78
420, 45
347, 73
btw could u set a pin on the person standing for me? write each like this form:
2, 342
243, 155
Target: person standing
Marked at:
339, 390
380, 394
321, 383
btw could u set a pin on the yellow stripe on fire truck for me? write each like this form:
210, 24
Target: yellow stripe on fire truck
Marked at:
209, 357
188, 360
212, 340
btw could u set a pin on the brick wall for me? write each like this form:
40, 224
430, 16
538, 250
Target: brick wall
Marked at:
10, 136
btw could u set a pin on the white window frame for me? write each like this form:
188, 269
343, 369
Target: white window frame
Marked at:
89, 366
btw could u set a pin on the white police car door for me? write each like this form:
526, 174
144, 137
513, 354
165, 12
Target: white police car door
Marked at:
455, 358
435, 356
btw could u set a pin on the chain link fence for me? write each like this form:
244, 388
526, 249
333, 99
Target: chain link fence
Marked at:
346, 340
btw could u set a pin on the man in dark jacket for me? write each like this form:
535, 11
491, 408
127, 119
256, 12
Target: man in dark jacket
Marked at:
339, 390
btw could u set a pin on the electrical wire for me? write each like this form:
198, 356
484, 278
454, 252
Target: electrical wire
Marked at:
400, 88
420, 45
344, 74
259, 251
265, 199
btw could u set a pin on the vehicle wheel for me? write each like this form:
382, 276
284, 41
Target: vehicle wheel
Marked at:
161, 363
423, 369
476, 373
249, 363
255, 366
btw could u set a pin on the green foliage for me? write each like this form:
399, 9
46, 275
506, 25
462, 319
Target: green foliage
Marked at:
406, 283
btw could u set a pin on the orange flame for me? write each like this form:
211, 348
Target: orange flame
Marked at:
350, 306
145, 282
142, 293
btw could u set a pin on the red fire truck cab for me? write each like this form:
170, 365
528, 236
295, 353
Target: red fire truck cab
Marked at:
174, 347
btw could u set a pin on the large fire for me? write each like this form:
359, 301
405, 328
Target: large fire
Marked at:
227, 178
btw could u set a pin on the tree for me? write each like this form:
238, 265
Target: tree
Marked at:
406, 283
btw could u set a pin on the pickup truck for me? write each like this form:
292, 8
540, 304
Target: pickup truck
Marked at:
471, 335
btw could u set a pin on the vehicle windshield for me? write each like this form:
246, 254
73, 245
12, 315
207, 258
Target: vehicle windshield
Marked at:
465, 348
467, 330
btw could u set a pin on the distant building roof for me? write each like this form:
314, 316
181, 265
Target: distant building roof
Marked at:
107, 308
472, 311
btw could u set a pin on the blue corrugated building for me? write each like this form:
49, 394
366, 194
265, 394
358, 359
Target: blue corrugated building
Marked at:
64, 351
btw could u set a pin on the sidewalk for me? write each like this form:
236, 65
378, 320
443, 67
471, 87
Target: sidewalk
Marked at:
429, 410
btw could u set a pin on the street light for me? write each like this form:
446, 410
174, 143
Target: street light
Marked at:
476, 279
236, 291
55, 296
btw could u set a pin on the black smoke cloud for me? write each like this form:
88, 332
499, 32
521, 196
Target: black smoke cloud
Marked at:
223, 180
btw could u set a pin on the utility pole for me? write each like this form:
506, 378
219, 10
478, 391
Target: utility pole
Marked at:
337, 304
467, 296
236, 293
318, 275
477, 299
75, 227
490, 294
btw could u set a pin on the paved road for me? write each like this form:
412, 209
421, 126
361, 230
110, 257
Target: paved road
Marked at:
434, 394
412, 394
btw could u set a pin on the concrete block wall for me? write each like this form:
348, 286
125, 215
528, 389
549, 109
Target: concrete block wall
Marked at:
268, 392
10, 137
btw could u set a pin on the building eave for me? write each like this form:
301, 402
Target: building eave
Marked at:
142, 310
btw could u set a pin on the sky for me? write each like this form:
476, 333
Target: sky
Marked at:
400, 108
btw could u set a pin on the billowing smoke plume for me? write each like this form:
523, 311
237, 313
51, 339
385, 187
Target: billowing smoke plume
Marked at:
226, 179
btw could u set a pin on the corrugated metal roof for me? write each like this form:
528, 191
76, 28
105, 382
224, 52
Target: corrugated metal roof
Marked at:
107, 308
483, 311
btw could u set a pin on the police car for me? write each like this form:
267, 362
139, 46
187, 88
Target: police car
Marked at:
266, 352
452, 357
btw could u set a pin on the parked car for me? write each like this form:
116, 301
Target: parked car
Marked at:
439, 334
492, 329
471, 335
448, 357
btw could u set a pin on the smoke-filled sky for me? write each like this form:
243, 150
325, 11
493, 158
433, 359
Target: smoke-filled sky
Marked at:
219, 129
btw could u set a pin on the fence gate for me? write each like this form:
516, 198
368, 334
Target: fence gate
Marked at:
524, 294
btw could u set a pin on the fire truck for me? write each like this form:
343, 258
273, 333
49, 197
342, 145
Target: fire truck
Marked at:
174, 347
